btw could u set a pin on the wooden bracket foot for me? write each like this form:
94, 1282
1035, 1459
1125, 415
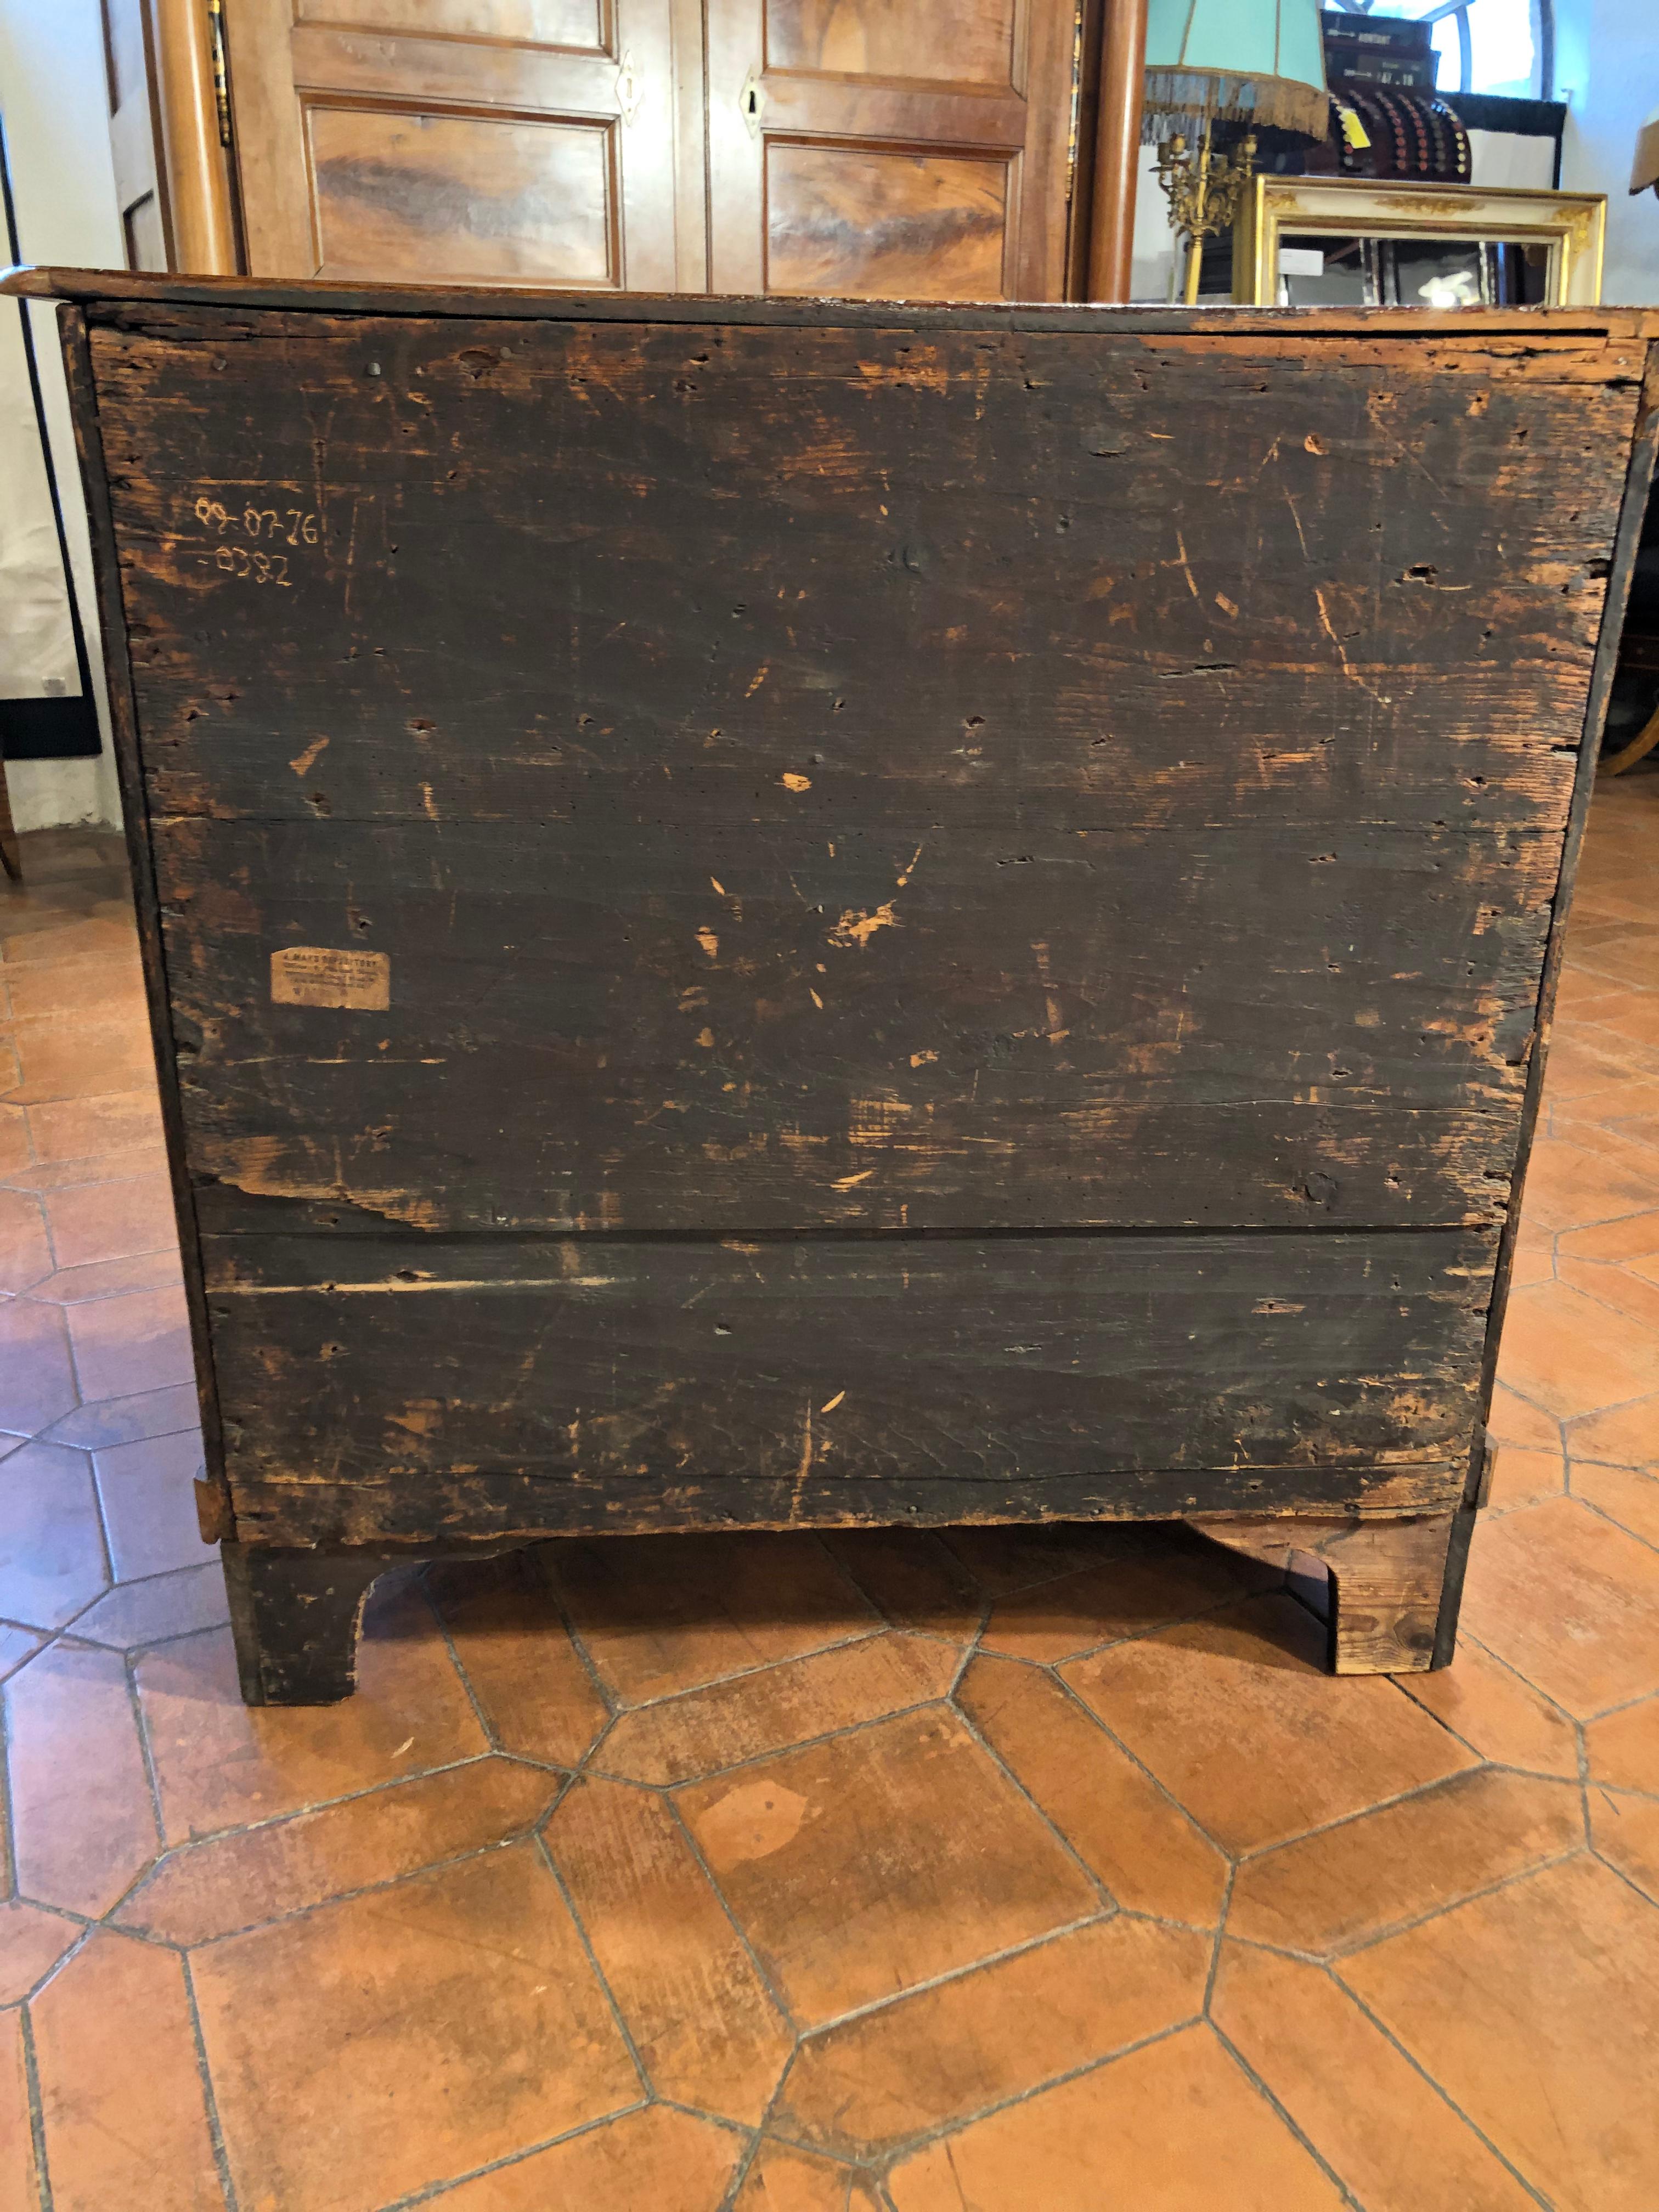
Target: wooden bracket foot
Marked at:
1388, 1579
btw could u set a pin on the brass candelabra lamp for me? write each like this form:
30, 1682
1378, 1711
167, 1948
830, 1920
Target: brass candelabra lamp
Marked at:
1205, 191
1261, 63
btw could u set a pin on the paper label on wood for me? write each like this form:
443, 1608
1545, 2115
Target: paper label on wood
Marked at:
321, 976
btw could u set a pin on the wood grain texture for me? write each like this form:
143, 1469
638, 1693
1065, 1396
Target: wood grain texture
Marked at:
490, 141
882, 223
1386, 1580
854, 151
894, 39
557, 1055
854, 1372
710, 869
960, 906
463, 195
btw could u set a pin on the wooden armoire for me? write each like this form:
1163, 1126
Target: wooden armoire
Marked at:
873, 149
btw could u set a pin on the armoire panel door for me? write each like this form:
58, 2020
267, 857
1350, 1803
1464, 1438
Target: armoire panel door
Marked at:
515, 141
889, 148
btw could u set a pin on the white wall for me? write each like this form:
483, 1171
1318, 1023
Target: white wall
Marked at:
53, 96
1607, 69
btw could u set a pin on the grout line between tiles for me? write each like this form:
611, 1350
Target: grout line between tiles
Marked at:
895, 2153
823, 2027
37, 2114
210, 2098
646, 2084
1629, 1881
487, 1727
432, 2191
1439, 2089
768, 1981
1109, 1902
1139, 1764
774, 1751
1286, 2118
525, 1834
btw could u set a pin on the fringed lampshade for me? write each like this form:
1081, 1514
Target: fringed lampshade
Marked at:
1245, 61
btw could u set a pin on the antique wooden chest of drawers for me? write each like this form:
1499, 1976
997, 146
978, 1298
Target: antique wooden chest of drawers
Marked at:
779, 913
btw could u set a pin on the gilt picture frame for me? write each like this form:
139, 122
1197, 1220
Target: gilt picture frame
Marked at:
1566, 230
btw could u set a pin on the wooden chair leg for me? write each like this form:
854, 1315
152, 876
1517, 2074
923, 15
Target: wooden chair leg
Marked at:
295, 1616
11, 854
1390, 1581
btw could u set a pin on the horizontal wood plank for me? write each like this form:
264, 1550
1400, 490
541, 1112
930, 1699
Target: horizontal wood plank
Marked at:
639, 1030
1349, 625
851, 1368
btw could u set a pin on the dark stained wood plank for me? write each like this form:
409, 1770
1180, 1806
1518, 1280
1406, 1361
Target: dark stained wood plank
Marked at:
1595, 344
1363, 640
642, 1031
412, 1364
486, 1509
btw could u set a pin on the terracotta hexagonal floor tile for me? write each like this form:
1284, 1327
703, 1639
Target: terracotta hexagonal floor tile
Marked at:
109, 988
536, 1694
423, 2030
17, 2174
1569, 1601
37, 1380
1365, 2108
221, 1764
1177, 2125
701, 1731
32, 1942
105, 1278
121, 2096
1119, 1821
1623, 1435
111, 1220
147, 1492
1570, 1185
119, 1421
1624, 1289
1520, 1477
660, 1613
133, 1614
1514, 1421
915, 1578
14, 1138
1624, 1748
233, 1882
785, 2179
1346, 1886
862, 2090
1236, 1716
52, 1547
880, 1859
139, 1341
1537, 2010
1496, 1713
90, 1128
81, 1804
77, 1059
1626, 1832
1167, 1576
702, 2020
1003, 1559
1571, 1356
1623, 1495
652, 2160
1633, 1236
25, 1255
